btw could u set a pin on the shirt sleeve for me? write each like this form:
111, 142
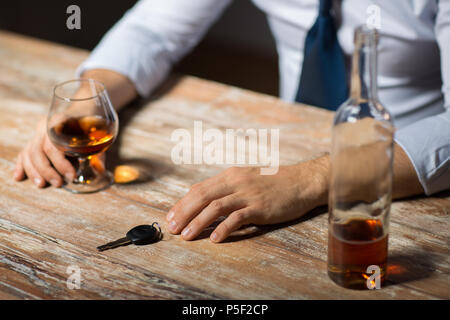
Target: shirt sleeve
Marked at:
427, 142
151, 37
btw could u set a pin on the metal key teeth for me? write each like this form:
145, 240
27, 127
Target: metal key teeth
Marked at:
114, 244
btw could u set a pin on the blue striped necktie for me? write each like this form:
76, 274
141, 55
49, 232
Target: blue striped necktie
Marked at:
323, 80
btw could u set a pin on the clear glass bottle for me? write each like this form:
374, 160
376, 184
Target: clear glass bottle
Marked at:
361, 176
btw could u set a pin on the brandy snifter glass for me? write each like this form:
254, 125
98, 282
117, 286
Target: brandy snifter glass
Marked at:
83, 124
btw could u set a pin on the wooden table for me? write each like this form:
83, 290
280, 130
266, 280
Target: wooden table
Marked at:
43, 232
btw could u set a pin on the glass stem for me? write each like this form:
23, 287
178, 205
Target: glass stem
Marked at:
85, 173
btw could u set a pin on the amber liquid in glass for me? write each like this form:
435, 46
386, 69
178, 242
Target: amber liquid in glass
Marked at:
83, 136
354, 246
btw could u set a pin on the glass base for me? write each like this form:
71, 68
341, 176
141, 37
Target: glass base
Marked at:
97, 183
354, 280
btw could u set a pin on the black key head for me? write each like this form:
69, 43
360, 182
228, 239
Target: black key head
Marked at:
144, 234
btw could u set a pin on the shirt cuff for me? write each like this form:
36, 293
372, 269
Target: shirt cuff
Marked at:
427, 144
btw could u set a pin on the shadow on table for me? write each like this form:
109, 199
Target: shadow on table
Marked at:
410, 266
442, 194
132, 171
415, 263
253, 231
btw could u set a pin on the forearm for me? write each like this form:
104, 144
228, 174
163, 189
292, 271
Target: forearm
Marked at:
120, 89
405, 182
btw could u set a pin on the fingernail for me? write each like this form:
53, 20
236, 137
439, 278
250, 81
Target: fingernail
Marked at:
69, 176
214, 237
16, 175
37, 181
173, 225
170, 215
54, 182
186, 232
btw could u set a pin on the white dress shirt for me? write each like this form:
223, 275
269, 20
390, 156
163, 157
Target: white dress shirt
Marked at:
413, 63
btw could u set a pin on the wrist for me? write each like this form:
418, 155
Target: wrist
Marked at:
121, 90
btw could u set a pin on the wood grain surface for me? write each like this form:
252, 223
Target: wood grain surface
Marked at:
45, 231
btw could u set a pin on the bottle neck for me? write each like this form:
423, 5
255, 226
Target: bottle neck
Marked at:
364, 69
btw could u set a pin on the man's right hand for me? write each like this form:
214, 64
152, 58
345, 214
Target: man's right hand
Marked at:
42, 162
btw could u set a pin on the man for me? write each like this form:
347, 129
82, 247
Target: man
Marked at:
137, 53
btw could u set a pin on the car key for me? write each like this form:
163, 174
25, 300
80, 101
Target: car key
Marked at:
140, 235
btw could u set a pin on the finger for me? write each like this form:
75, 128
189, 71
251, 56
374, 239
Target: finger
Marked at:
19, 172
31, 172
233, 222
217, 208
44, 167
59, 161
195, 201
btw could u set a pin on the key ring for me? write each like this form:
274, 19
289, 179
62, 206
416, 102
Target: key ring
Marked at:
160, 234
